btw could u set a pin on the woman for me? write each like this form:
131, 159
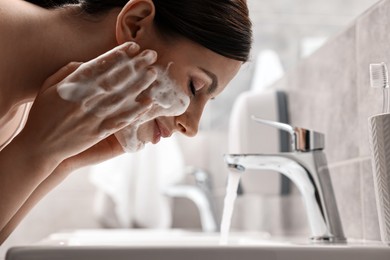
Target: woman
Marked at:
203, 43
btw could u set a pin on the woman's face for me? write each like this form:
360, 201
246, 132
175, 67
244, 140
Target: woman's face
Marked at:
199, 72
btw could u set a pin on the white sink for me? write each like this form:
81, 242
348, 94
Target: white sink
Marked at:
179, 245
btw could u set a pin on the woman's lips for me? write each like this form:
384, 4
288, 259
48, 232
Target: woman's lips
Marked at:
163, 131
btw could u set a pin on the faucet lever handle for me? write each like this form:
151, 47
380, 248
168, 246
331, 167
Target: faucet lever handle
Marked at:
302, 139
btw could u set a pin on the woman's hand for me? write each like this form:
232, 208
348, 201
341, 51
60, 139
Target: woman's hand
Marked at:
104, 150
83, 104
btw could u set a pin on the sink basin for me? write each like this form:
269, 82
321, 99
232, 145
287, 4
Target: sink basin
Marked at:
178, 244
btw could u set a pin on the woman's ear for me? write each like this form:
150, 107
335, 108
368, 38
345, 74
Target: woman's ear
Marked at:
135, 19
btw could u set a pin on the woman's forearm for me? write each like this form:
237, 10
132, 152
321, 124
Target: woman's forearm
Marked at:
104, 150
42, 189
21, 172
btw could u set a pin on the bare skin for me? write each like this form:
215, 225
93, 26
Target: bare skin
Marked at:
59, 136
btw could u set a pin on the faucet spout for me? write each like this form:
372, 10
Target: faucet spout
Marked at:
309, 173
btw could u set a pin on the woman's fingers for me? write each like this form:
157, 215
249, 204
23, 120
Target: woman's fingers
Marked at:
126, 71
109, 60
125, 98
147, 79
144, 59
95, 80
130, 116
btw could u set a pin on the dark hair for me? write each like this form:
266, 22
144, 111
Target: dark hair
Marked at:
222, 26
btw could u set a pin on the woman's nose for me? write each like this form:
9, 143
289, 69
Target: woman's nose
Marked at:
188, 123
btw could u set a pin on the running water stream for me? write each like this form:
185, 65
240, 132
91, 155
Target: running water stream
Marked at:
230, 197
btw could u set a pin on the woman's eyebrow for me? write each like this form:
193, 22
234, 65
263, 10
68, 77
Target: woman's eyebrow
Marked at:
214, 80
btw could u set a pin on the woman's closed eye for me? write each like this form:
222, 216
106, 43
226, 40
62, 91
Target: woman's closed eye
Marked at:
195, 85
192, 88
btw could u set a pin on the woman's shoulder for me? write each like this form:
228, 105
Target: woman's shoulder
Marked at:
5, 16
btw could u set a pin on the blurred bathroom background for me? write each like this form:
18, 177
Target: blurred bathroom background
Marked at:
136, 191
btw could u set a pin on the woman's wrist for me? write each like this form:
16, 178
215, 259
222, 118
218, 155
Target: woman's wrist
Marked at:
31, 157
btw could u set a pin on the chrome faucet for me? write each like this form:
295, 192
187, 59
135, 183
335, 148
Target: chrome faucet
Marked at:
201, 194
305, 166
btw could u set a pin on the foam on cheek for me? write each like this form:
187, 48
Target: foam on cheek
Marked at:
168, 100
128, 139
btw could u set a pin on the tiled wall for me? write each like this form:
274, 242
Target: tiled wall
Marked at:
330, 92
282, 26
